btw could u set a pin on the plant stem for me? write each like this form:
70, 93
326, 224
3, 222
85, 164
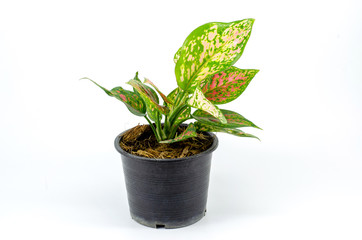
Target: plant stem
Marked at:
166, 126
179, 97
173, 131
153, 129
159, 130
170, 125
178, 110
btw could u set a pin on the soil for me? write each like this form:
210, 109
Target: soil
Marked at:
141, 141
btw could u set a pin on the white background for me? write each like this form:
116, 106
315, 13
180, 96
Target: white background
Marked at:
61, 178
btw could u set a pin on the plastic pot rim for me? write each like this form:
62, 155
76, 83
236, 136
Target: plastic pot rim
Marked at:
212, 148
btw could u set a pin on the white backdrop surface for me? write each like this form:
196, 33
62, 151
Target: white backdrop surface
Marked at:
61, 178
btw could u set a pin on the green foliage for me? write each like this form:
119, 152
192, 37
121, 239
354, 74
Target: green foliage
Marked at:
205, 77
233, 119
190, 131
227, 85
209, 49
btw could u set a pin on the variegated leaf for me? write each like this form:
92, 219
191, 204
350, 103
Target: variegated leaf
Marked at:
185, 115
159, 92
234, 120
133, 102
189, 132
154, 94
234, 131
227, 85
149, 99
209, 49
199, 101
172, 95
177, 55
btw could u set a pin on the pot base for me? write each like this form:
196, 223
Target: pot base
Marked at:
168, 225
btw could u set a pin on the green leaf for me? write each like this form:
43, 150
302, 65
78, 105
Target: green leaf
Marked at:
209, 49
159, 92
184, 115
177, 55
234, 120
133, 102
234, 131
189, 132
199, 101
227, 85
172, 95
149, 99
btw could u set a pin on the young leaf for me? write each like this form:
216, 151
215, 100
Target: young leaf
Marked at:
209, 49
234, 131
136, 77
159, 92
133, 102
149, 89
185, 115
172, 95
199, 101
190, 131
227, 85
234, 120
148, 97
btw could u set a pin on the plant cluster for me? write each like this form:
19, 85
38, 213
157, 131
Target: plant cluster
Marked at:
205, 77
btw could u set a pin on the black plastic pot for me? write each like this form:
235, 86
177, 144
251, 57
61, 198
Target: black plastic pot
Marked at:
167, 193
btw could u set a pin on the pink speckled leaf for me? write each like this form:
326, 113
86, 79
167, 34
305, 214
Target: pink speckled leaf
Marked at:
189, 132
149, 89
227, 85
209, 49
159, 92
234, 120
234, 131
153, 108
199, 101
133, 102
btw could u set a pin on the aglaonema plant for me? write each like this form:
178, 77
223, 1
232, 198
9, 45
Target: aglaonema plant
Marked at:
205, 77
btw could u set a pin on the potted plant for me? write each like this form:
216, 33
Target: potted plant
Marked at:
170, 190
